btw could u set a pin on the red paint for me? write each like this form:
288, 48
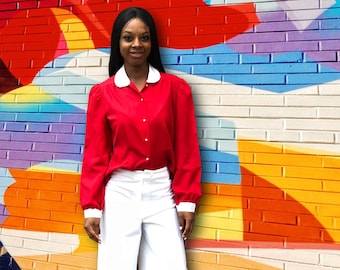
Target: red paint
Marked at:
181, 24
259, 211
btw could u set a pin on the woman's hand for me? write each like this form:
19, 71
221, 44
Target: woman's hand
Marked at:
92, 228
186, 223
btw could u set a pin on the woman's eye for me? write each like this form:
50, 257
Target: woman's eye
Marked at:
145, 38
127, 38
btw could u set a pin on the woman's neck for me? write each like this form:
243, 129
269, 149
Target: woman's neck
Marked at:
138, 75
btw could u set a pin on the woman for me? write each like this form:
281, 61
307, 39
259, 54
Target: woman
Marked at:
141, 155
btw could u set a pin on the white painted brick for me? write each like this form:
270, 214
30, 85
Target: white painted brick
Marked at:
47, 246
332, 260
337, 137
206, 100
308, 91
258, 124
212, 144
227, 123
12, 241
250, 134
292, 255
320, 137
332, 112
25, 234
283, 112
314, 101
329, 89
229, 146
17, 251
219, 133
96, 53
93, 71
89, 62
219, 89
252, 100
50, 80
207, 122
312, 124
283, 136
63, 238
69, 89
75, 99
222, 111
204, 89
299, 266
72, 72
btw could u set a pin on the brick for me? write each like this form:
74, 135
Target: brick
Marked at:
49, 226
311, 173
208, 100
73, 260
312, 101
220, 111
289, 46
67, 217
25, 264
255, 100
288, 160
45, 266
207, 257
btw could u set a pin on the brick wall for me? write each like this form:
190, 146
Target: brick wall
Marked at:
265, 80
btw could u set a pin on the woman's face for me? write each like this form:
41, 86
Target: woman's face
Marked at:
135, 43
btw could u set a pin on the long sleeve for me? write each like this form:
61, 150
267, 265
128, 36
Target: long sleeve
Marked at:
97, 152
187, 178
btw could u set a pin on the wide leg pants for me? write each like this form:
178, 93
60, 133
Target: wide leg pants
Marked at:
140, 223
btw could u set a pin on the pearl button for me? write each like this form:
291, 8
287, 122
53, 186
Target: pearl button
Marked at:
146, 139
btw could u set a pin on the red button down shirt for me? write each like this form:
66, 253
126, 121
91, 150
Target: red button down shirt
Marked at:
138, 130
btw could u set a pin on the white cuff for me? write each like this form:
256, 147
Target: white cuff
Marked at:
92, 213
186, 207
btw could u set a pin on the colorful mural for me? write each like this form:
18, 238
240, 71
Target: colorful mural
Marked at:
265, 78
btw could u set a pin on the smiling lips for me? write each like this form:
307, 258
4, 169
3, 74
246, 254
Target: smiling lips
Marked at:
137, 54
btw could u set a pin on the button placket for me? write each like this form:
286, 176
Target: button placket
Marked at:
145, 126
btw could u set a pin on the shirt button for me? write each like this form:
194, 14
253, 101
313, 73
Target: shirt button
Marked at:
146, 85
146, 139
141, 99
144, 120
147, 159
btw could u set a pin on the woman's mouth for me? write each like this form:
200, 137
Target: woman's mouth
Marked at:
136, 54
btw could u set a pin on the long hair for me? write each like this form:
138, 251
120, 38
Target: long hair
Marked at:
116, 60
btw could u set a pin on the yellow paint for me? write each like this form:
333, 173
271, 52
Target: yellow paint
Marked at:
304, 178
75, 32
222, 225
29, 94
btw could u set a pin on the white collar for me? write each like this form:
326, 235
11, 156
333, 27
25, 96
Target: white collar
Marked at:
121, 79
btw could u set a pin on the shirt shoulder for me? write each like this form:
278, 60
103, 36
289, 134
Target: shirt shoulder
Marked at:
177, 84
99, 88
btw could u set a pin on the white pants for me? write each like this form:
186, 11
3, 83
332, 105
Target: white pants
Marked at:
140, 223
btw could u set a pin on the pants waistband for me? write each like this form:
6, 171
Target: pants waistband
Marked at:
162, 172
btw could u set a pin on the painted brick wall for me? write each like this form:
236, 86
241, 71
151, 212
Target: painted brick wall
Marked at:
265, 80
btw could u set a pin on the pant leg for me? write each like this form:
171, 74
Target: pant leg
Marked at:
120, 225
162, 246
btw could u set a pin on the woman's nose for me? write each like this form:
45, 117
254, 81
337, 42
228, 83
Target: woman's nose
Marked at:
136, 42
